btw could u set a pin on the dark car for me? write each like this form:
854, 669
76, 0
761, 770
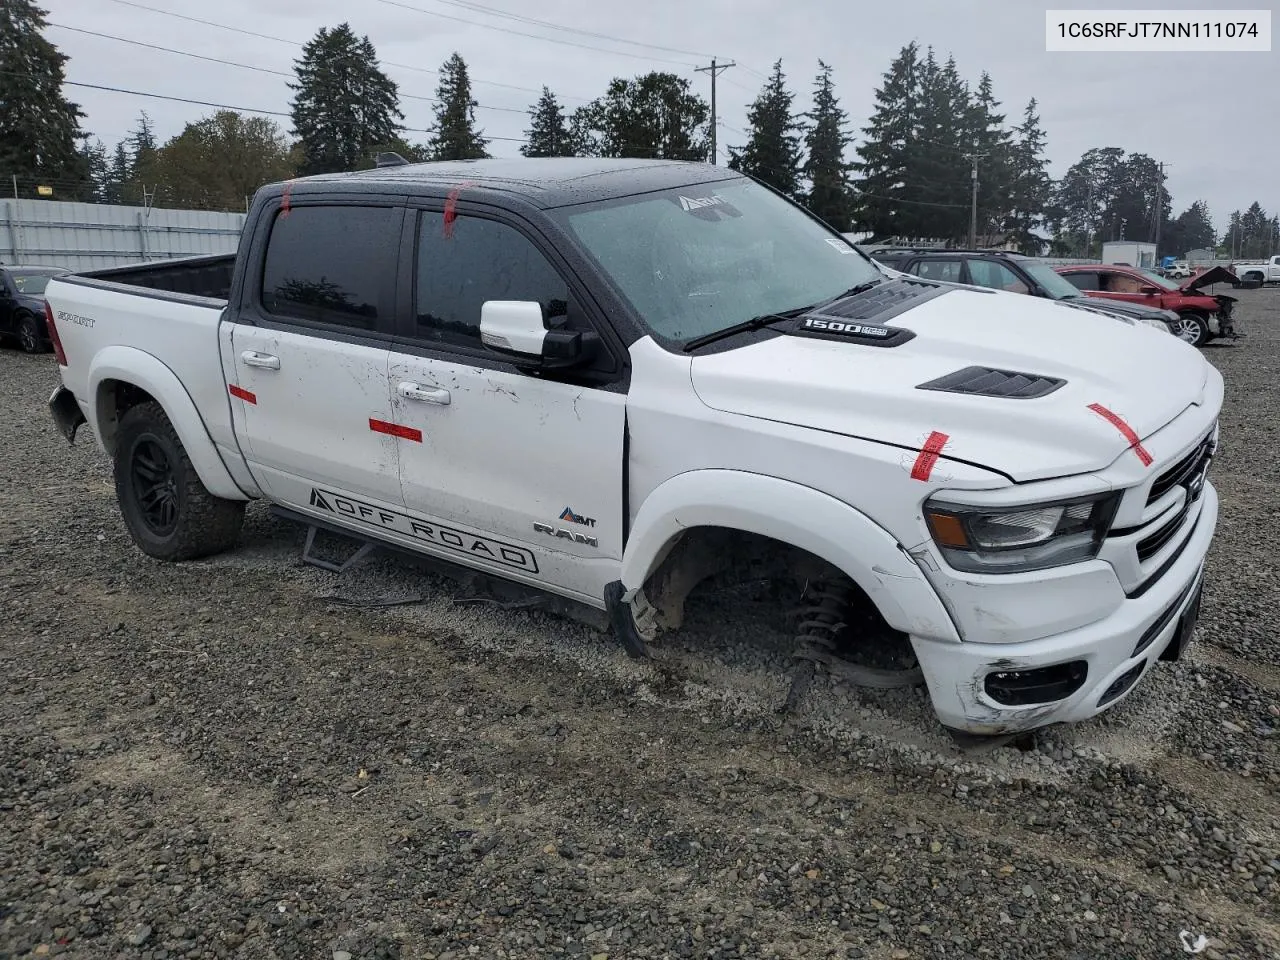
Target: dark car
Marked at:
1017, 274
1202, 316
22, 305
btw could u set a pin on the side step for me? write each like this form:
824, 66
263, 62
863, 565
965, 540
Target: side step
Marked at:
310, 556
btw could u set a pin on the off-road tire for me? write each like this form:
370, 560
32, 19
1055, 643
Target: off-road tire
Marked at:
201, 524
29, 337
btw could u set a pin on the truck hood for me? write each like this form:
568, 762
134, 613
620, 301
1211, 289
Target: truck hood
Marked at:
1208, 278
860, 388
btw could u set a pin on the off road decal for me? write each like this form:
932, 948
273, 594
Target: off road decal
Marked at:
483, 548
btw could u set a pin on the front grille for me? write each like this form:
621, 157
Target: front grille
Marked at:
1148, 547
989, 382
1183, 470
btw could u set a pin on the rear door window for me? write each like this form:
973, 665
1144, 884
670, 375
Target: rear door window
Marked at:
334, 265
988, 273
1083, 280
946, 270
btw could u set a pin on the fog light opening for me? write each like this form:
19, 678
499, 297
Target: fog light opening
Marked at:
1022, 688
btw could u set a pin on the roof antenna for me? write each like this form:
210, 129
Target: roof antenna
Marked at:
389, 159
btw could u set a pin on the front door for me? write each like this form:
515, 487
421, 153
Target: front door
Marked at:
517, 473
306, 363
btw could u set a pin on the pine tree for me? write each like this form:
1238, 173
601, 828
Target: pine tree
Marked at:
829, 195
885, 155
456, 137
943, 138
1030, 188
992, 143
772, 152
548, 134
119, 173
344, 104
39, 128
95, 159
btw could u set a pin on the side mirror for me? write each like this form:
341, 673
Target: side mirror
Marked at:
1149, 291
516, 330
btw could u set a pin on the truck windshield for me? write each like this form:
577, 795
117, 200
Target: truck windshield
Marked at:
698, 259
1054, 283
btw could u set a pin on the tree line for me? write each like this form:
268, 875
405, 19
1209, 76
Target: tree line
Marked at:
908, 177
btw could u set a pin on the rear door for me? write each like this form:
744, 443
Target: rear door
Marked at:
307, 357
995, 276
517, 473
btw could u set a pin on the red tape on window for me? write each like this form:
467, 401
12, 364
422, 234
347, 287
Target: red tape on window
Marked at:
395, 430
284, 199
451, 208
1126, 431
929, 454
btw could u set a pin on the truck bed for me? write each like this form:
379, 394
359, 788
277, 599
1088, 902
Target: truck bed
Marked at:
208, 277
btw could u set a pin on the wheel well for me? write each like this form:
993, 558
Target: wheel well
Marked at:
115, 399
700, 554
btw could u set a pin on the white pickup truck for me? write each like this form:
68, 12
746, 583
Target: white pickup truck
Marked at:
607, 380
1264, 271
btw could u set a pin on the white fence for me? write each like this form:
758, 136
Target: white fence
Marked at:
88, 236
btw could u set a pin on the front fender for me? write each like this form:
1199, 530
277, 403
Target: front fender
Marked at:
142, 370
796, 515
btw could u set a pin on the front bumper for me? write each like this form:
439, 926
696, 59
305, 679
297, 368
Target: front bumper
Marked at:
958, 674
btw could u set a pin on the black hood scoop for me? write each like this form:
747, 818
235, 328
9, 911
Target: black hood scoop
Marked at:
990, 382
863, 317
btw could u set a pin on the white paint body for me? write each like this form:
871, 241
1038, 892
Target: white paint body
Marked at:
1267, 270
808, 441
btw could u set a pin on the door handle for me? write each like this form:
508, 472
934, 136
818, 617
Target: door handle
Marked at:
416, 391
255, 359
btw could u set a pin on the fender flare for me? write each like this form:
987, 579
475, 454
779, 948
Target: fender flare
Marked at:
142, 370
796, 515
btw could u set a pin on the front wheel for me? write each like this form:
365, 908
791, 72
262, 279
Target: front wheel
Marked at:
1192, 328
169, 513
30, 338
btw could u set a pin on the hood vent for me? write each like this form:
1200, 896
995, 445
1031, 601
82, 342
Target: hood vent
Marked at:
988, 382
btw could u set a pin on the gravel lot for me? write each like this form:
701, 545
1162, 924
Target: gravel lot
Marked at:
250, 757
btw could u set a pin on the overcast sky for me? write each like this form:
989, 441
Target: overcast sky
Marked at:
1206, 115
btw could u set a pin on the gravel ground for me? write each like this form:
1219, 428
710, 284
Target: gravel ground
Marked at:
249, 757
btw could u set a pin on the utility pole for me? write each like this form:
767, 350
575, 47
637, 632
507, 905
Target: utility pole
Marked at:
715, 69
1159, 208
973, 204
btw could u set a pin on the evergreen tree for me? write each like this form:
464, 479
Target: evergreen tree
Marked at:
994, 147
456, 137
772, 152
119, 173
829, 195
943, 137
1231, 239
344, 104
95, 160
654, 115
1030, 188
548, 134
885, 155
39, 128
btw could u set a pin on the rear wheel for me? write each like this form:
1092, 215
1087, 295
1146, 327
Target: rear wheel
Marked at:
30, 338
1193, 328
169, 513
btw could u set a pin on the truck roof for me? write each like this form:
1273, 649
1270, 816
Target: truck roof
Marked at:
544, 182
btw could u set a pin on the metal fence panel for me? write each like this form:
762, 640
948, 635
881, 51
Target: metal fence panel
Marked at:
88, 236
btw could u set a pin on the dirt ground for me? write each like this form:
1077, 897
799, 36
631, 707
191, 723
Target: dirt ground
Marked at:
249, 757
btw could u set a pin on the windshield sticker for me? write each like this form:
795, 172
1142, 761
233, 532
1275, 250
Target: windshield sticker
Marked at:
711, 207
840, 246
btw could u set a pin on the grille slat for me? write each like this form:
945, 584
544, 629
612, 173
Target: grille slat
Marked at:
991, 382
1181, 470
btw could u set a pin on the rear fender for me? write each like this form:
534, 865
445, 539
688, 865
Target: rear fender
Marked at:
793, 514
142, 370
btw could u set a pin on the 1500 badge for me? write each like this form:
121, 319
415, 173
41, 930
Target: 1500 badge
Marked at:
843, 326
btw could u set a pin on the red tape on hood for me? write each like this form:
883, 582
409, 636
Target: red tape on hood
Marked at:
1126, 431
929, 453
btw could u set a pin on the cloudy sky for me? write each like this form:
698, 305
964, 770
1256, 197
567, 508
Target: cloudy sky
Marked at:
1205, 115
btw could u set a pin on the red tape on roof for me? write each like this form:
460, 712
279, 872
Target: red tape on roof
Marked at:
1126, 431
929, 454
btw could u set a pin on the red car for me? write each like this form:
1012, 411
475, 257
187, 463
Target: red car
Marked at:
1202, 316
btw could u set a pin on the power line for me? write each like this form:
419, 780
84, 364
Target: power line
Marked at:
249, 66
914, 203
533, 36
551, 25
295, 43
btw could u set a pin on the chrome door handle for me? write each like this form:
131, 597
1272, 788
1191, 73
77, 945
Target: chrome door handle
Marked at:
255, 359
416, 391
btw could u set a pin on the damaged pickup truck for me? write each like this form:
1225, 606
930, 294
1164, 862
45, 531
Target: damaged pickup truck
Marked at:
609, 380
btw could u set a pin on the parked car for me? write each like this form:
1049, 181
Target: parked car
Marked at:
1178, 270
607, 380
1263, 271
1020, 274
22, 305
1201, 316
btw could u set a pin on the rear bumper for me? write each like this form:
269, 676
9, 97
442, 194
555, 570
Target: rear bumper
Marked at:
66, 413
1113, 653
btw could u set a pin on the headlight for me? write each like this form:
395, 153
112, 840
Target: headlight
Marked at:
1018, 539
1153, 322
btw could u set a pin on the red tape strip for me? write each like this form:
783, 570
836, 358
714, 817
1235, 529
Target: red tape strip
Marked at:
929, 454
395, 430
284, 199
1126, 431
451, 207
242, 394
